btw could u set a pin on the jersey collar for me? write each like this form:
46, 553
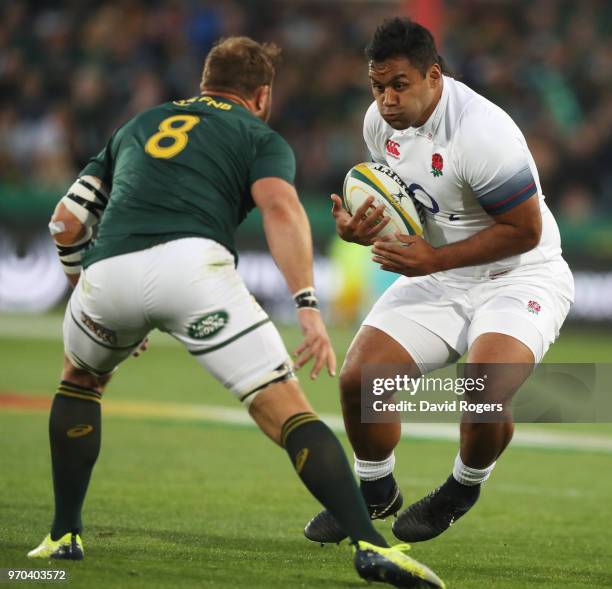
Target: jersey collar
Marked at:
225, 99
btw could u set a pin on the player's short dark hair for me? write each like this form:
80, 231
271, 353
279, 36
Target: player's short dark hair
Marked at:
240, 65
402, 37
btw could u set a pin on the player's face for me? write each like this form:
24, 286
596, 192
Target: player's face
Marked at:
405, 98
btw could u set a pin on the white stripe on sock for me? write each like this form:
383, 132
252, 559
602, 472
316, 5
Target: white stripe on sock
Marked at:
466, 475
369, 470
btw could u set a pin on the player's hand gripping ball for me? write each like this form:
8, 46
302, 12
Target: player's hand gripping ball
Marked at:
374, 189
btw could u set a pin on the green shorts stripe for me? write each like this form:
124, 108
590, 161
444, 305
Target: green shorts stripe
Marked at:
231, 339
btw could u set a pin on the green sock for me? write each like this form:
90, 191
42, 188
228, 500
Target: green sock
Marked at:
74, 434
320, 462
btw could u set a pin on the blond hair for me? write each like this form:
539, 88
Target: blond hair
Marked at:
240, 65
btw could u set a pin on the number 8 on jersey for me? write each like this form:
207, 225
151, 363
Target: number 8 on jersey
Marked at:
178, 135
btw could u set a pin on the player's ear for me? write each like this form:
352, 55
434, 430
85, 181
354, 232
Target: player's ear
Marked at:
434, 74
262, 98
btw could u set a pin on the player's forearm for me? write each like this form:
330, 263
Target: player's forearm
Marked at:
492, 244
289, 239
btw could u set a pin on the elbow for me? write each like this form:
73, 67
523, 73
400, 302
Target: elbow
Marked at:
64, 227
530, 237
283, 212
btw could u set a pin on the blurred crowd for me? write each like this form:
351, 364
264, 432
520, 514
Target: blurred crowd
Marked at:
73, 70
549, 64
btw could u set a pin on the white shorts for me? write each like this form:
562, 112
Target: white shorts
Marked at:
188, 288
437, 319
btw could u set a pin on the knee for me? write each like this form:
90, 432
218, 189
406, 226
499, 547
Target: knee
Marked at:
276, 406
350, 386
83, 378
503, 429
509, 431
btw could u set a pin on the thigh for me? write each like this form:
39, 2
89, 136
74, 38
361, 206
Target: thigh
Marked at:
248, 361
503, 362
202, 301
424, 318
99, 331
529, 308
212, 313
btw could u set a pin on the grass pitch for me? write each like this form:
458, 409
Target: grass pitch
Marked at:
181, 501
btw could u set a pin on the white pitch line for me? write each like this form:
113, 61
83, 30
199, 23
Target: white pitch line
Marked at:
422, 431
531, 439
49, 328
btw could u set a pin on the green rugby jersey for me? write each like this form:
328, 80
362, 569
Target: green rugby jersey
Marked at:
183, 169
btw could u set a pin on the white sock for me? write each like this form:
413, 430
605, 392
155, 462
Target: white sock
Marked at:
466, 475
370, 470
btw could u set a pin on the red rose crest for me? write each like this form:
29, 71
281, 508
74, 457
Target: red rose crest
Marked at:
534, 307
437, 163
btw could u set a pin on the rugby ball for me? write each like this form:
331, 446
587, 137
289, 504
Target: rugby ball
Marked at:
381, 182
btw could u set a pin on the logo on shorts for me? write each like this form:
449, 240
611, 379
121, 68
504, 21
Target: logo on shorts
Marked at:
392, 148
534, 307
437, 163
208, 325
101, 332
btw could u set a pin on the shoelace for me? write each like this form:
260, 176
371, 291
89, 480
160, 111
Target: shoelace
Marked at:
404, 547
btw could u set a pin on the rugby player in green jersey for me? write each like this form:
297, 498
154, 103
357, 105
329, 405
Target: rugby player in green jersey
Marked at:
167, 194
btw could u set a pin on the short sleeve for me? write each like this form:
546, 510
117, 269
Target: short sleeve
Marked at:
371, 132
101, 165
274, 159
494, 160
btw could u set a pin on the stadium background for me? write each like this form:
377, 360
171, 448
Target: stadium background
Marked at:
72, 70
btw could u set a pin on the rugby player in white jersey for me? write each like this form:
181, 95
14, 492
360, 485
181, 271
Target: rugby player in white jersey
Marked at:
488, 280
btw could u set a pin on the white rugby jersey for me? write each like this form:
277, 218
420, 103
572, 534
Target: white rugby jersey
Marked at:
467, 163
